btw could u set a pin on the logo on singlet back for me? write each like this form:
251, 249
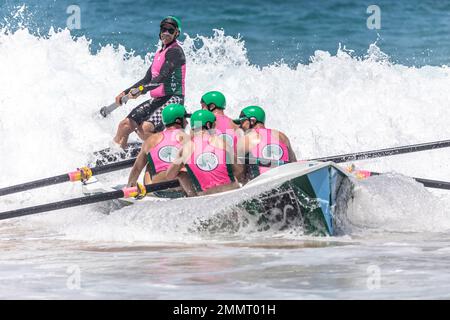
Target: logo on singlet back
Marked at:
207, 161
272, 151
168, 153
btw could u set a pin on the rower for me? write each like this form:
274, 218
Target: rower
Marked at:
160, 149
215, 102
209, 159
261, 143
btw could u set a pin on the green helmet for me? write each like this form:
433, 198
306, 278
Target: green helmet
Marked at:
174, 21
200, 118
215, 97
251, 112
172, 112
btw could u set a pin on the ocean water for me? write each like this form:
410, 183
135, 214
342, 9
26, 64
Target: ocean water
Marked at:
413, 33
330, 83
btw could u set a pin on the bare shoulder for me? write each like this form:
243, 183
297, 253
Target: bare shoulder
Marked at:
183, 137
188, 147
185, 152
239, 132
251, 134
153, 140
234, 125
280, 134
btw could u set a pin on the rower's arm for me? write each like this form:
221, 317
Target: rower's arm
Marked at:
173, 170
242, 148
143, 81
178, 163
238, 169
139, 164
292, 157
232, 157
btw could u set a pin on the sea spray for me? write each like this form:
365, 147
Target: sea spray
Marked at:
337, 103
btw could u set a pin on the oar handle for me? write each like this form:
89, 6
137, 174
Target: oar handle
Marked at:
124, 193
107, 110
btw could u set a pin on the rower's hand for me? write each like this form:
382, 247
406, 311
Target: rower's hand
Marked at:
131, 184
136, 94
119, 98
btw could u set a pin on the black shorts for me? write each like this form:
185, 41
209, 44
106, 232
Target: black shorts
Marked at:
151, 110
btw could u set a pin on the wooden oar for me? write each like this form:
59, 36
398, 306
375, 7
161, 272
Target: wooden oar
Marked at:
138, 191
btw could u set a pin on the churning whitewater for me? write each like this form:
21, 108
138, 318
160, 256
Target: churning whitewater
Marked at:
337, 103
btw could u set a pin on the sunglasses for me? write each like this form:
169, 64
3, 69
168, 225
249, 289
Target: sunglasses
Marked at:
170, 30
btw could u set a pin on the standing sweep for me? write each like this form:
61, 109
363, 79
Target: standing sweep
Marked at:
165, 79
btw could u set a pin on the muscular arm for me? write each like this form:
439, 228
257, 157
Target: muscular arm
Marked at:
238, 169
243, 147
141, 159
139, 164
292, 157
174, 58
178, 163
143, 81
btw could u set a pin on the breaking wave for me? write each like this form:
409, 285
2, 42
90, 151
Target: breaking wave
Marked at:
53, 84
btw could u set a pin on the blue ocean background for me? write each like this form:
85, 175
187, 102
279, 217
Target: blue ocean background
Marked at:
412, 33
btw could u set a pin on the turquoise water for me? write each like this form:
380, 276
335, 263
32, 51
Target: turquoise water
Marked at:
411, 32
